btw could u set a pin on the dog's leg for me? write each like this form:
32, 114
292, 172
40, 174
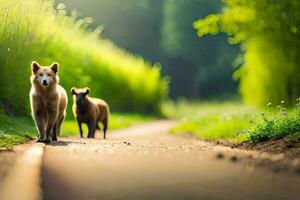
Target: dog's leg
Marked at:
40, 121
92, 129
55, 131
60, 121
52, 118
104, 122
80, 128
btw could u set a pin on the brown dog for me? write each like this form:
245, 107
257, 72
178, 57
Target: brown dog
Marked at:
90, 111
48, 101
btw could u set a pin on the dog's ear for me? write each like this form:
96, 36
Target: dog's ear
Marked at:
54, 67
73, 90
35, 67
87, 90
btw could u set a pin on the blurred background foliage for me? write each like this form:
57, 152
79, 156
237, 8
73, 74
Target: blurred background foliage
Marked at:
268, 31
162, 31
36, 30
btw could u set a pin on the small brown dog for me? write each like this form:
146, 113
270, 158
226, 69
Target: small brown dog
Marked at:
90, 111
48, 101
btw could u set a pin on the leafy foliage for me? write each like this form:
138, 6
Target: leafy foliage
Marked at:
269, 33
34, 30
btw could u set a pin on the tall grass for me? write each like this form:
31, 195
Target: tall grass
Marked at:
35, 30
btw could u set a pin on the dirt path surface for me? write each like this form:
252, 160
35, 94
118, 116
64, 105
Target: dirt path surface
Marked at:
144, 162
8, 159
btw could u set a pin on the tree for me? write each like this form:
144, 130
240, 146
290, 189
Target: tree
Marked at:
269, 33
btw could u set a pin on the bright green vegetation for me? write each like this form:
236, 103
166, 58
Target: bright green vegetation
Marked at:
234, 121
15, 130
269, 35
117, 120
35, 30
212, 120
18, 130
276, 126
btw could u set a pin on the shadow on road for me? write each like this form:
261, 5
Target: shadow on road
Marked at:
64, 143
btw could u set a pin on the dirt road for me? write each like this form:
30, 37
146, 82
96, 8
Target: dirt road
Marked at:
144, 162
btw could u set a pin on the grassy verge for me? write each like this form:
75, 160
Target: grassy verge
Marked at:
212, 120
234, 121
277, 125
15, 131
19, 130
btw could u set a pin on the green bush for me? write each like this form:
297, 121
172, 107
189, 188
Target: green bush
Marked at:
34, 30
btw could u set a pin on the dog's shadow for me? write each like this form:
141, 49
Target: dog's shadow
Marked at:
64, 143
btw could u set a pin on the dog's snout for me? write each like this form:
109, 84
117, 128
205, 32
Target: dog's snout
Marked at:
45, 82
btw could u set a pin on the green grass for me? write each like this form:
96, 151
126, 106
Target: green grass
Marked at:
15, 130
212, 120
234, 121
19, 130
277, 124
